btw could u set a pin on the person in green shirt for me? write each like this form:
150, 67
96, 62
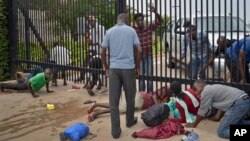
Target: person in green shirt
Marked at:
34, 84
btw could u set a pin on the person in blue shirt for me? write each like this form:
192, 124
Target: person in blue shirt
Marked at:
125, 56
238, 56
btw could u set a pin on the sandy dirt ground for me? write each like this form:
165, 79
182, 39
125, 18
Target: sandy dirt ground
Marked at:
23, 118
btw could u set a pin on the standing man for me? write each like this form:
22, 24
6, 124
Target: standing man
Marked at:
93, 36
200, 49
237, 56
145, 33
234, 104
125, 56
60, 55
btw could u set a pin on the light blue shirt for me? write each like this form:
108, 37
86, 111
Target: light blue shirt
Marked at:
199, 47
121, 40
241, 45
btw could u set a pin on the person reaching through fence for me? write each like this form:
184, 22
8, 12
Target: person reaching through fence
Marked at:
145, 34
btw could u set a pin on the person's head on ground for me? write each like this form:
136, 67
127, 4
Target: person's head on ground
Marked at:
175, 87
123, 18
222, 42
139, 19
198, 86
192, 31
92, 20
47, 73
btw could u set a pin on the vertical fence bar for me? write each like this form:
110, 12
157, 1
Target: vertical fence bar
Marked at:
120, 6
27, 32
225, 31
13, 32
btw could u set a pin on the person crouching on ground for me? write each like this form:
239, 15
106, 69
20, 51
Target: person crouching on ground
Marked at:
234, 104
34, 84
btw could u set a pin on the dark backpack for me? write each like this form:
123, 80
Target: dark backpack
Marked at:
155, 114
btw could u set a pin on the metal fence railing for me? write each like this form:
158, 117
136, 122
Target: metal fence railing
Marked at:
70, 32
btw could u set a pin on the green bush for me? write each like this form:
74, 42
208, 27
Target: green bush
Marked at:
4, 67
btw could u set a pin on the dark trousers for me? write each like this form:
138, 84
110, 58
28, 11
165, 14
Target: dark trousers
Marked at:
55, 75
90, 54
95, 64
235, 74
119, 78
21, 85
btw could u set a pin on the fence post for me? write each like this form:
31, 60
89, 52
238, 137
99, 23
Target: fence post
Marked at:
27, 32
13, 32
120, 7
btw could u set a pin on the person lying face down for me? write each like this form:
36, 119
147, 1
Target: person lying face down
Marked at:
185, 104
34, 84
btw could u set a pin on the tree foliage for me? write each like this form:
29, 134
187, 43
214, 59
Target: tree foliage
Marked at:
4, 67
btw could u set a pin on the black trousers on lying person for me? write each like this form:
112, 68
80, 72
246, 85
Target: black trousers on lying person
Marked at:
21, 85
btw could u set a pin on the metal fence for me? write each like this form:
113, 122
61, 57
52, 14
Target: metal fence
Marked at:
57, 34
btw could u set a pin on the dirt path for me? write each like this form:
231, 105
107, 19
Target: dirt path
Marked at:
23, 118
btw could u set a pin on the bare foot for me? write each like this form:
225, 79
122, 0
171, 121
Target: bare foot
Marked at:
91, 107
92, 116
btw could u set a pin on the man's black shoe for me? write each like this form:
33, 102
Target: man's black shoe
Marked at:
116, 136
133, 123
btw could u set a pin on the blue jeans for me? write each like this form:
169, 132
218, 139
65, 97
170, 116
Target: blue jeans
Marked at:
146, 68
234, 115
196, 65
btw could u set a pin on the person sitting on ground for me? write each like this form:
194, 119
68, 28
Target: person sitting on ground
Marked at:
34, 84
143, 100
186, 102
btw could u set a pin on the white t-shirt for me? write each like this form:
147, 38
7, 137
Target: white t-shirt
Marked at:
96, 35
60, 55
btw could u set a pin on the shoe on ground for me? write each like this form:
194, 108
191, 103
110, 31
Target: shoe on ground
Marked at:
133, 123
117, 135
